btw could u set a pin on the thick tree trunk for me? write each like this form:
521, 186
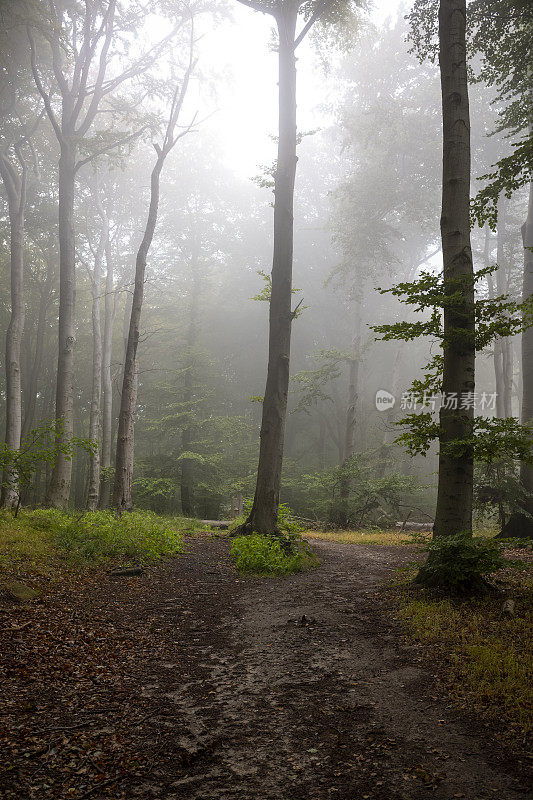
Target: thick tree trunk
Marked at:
96, 389
264, 514
122, 492
110, 306
455, 487
59, 489
16, 193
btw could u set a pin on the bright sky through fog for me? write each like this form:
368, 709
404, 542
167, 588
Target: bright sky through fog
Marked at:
247, 113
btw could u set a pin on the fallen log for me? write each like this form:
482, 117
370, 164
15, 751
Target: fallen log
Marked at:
219, 524
415, 526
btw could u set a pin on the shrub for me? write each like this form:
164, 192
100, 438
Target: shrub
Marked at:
265, 555
459, 564
101, 535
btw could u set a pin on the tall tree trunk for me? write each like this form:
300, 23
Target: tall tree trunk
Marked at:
526, 470
16, 195
497, 356
388, 434
264, 514
96, 389
30, 400
349, 439
110, 307
521, 525
186, 478
351, 419
455, 487
504, 345
122, 492
59, 489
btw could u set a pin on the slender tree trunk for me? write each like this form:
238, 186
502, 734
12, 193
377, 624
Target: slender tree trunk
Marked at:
59, 489
122, 493
16, 194
388, 434
30, 403
264, 513
349, 439
521, 525
504, 345
351, 419
186, 478
321, 443
110, 306
96, 390
455, 487
526, 470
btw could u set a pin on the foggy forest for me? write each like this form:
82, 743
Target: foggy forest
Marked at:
266, 307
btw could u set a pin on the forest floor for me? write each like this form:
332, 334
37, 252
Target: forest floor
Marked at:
191, 682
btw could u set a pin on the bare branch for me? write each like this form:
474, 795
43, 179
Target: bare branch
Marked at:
140, 65
102, 67
45, 96
109, 147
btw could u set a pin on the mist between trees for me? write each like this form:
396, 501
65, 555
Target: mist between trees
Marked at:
136, 262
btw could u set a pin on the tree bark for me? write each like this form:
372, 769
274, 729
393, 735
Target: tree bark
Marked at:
186, 477
526, 470
521, 525
263, 517
96, 389
15, 185
30, 397
59, 489
110, 306
122, 492
504, 345
455, 486
351, 419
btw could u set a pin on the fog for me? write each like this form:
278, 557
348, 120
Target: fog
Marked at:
366, 217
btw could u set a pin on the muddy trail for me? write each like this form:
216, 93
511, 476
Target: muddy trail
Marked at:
192, 683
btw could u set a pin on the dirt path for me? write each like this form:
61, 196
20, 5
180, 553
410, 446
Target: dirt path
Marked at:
214, 688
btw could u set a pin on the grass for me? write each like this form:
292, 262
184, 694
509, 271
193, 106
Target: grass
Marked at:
368, 536
487, 657
47, 537
264, 556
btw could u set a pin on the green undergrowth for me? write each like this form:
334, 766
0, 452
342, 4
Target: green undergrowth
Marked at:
486, 654
47, 536
264, 555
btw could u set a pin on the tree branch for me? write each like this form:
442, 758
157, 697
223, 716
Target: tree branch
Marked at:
257, 7
45, 96
314, 18
90, 114
109, 147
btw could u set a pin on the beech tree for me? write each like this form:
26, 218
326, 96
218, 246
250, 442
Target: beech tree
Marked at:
453, 514
21, 117
122, 492
81, 58
287, 14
